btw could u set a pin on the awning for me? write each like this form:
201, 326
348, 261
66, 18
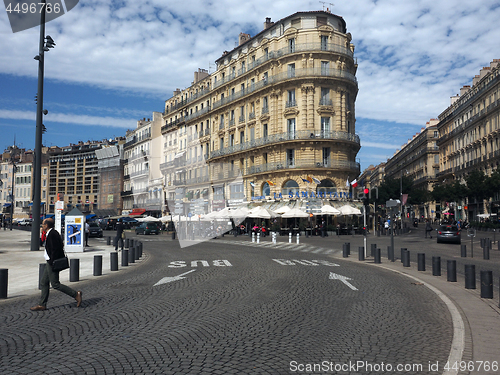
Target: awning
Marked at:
41, 204
89, 216
137, 211
7, 204
178, 155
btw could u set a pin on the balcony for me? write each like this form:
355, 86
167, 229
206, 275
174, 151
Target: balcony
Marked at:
326, 102
304, 164
291, 103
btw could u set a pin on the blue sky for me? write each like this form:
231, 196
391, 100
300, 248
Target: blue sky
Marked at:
118, 61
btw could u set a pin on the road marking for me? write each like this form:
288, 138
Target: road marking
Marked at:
173, 278
305, 262
204, 263
334, 276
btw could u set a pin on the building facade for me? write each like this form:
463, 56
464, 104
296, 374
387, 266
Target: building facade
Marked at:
110, 163
278, 111
469, 132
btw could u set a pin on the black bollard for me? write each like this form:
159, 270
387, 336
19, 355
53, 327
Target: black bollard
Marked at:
486, 284
131, 255
108, 241
131, 243
361, 253
173, 235
348, 244
463, 251
403, 249
125, 258
4, 280
41, 270
74, 270
421, 261
345, 254
97, 265
113, 260
373, 249
377, 256
127, 243
390, 252
138, 251
451, 268
436, 266
406, 258
486, 251
470, 276
481, 241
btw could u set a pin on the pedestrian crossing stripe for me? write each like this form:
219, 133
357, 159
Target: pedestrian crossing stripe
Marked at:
289, 246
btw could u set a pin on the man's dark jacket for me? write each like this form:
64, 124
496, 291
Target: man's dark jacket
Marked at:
54, 246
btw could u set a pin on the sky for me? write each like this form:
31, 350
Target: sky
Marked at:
116, 62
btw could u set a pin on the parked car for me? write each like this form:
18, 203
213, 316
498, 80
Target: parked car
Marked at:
448, 233
24, 222
147, 228
95, 230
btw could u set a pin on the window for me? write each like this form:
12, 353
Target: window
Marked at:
291, 70
265, 78
291, 128
291, 99
266, 189
325, 127
265, 108
221, 143
326, 156
326, 186
242, 137
325, 68
231, 140
290, 187
218, 193
264, 130
291, 45
320, 21
324, 43
290, 157
252, 134
325, 96
237, 191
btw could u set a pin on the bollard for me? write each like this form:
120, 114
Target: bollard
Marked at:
348, 245
482, 242
345, 253
253, 237
486, 284
298, 236
141, 250
108, 241
361, 253
127, 243
4, 279
451, 268
463, 251
113, 261
41, 270
125, 258
436, 266
289, 237
173, 234
74, 270
470, 276
486, 251
403, 249
131, 243
373, 249
406, 259
131, 255
421, 261
97, 265
390, 253
137, 251
258, 237
377, 256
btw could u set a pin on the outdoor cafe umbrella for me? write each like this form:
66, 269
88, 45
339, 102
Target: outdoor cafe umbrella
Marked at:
349, 210
329, 210
294, 212
147, 219
261, 213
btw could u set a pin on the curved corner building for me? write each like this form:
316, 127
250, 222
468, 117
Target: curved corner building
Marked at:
279, 110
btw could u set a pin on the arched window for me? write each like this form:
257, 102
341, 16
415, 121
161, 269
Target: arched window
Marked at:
327, 186
266, 189
290, 186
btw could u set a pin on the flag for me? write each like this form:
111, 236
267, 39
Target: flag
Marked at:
305, 180
347, 182
309, 179
316, 180
270, 183
252, 184
404, 199
354, 183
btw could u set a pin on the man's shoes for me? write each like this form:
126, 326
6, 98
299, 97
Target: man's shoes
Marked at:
38, 308
78, 298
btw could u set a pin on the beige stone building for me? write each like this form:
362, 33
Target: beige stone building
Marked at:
469, 132
418, 159
280, 108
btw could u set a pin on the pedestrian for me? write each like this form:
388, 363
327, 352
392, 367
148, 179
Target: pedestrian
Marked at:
87, 232
54, 249
428, 229
119, 234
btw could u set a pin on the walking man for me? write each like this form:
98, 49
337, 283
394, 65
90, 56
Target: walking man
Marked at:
53, 250
119, 234
428, 229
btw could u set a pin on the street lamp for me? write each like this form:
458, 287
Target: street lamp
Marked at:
45, 43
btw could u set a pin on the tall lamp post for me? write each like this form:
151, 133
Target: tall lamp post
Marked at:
45, 44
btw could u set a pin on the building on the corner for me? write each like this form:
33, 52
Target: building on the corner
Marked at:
469, 132
279, 111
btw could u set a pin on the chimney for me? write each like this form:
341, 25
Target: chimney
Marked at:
494, 63
200, 74
454, 99
475, 80
177, 92
243, 38
268, 23
464, 89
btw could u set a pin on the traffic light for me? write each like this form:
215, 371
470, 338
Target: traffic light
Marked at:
366, 200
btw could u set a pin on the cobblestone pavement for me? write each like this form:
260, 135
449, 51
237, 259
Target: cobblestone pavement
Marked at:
231, 308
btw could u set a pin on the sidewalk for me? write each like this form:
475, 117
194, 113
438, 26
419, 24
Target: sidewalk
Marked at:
23, 264
476, 320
